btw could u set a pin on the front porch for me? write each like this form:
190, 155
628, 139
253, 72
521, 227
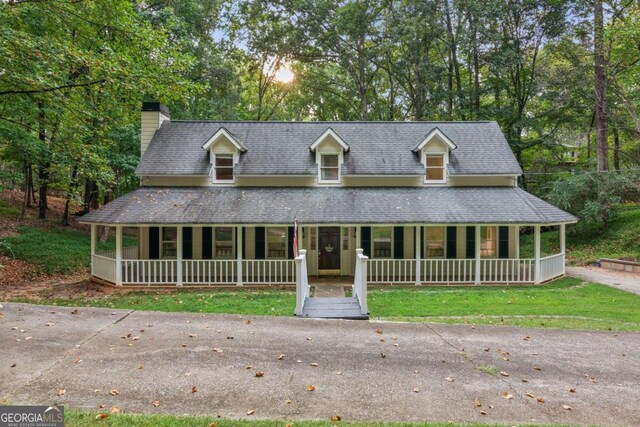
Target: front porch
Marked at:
179, 261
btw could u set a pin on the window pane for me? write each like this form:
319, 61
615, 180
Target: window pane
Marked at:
169, 234
329, 174
223, 242
276, 242
224, 160
329, 160
224, 173
435, 160
488, 241
435, 174
382, 242
435, 242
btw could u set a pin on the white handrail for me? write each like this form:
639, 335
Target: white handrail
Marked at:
302, 281
360, 281
387, 270
268, 271
551, 267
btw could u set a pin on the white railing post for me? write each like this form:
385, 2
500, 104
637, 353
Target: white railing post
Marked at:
179, 280
302, 285
118, 255
478, 249
563, 246
239, 257
360, 281
417, 255
536, 248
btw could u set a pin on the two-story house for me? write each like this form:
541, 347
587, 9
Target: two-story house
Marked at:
427, 202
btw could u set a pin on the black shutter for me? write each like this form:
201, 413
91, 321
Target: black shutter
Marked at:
259, 242
452, 242
422, 245
503, 242
187, 243
471, 242
365, 240
398, 242
207, 243
154, 242
290, 242
244, 243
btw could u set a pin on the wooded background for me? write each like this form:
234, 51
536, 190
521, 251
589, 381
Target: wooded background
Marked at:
558, 76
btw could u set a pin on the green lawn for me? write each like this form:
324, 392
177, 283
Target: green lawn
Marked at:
53, 250
81, 418
585, 244
566, 303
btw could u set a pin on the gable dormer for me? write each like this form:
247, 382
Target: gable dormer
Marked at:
224, 152
434, 151
329, 149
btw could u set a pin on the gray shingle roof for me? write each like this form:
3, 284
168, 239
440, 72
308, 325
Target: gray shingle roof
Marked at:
335, 205
282, 148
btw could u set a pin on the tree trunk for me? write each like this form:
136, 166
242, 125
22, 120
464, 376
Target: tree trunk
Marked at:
27, 190
616, 149
67, 203
602, 143
43, 167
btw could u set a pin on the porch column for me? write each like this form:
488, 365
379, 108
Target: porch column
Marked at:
418, 245
477, 252
563, 245
93, 244
517, 241
118, 255
358, 237
536, 250
239, 256
179, 256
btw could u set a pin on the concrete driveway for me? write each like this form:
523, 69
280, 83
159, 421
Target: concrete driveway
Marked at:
616, 279
206, 364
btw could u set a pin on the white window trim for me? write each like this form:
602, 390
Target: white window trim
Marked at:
214, 241
445, 166
162, 242
319, 162
235, 158
391, 241
286, 243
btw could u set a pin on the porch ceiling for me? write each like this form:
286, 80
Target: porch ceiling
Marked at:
331, 205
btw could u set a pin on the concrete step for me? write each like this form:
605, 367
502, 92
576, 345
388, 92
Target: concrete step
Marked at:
333, 308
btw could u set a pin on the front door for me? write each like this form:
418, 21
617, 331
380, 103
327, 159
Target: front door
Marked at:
329, 248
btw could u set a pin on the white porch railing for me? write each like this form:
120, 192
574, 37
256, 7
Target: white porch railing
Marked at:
209, 272
507, 270
302, 282
268, 271
447, 270
130, 252
103, 267
551, 266
360, 281
149, 272
384, 270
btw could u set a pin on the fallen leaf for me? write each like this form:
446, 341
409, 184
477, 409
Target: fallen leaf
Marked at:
567, 407
114, 392
572, 390
61, 392
114, 410
531, 395
247, 322
28, 338
379, 331
540, 399
194, 389
311, 388
281, 356
394, 338
477, 403
338, 372
288, 401
217, 350
309, 338
383, 355
335, 418
250, 412
192, 335
102, 406
101, 416
524, 380
486, 349
74, 311
14, 365
135, 338
259, 374
483, 412
49, 324
78, 361
314, 364
156, 403
229, 337
527, 338
395, 344
537, 368
449, 379
213, 424
507, 395
416, 390
248, 367
289, 425
504, 374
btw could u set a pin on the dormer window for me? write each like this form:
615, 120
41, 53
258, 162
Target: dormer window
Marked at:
223, 167
329, 167
434, 152
434, 167
329, 149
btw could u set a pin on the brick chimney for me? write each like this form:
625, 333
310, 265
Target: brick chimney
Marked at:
153, 114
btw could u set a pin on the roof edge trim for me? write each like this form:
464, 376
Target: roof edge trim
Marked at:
435, 132
224, 132
329, 132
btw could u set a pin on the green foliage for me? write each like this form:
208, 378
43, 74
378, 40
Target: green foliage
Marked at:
7, 210
592, 196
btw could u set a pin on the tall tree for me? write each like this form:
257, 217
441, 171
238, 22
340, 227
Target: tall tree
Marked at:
602, 137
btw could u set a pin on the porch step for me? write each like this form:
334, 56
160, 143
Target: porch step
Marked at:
333, 308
